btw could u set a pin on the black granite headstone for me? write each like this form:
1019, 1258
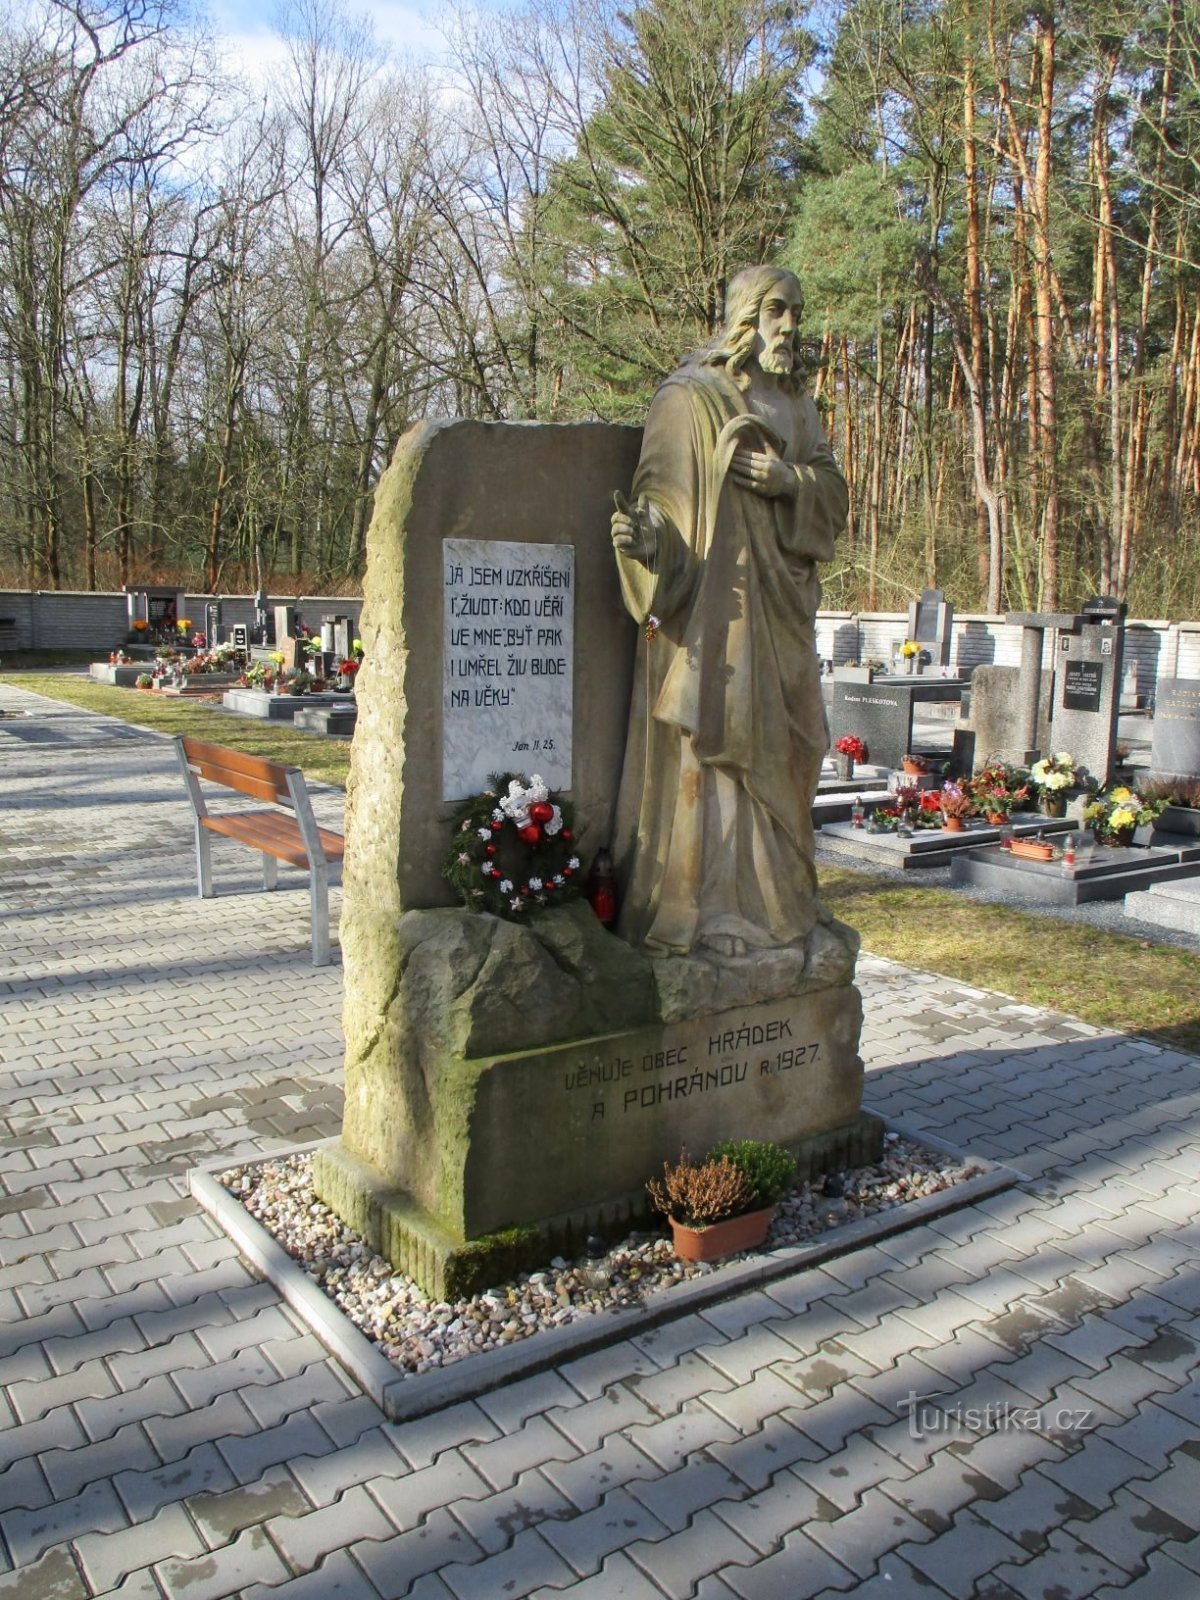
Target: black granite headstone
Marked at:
1175, 737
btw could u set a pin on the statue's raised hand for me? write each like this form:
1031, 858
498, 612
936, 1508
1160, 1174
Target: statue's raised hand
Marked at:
633, 532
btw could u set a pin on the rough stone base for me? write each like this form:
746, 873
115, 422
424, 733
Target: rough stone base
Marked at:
502, 1078
416, 1244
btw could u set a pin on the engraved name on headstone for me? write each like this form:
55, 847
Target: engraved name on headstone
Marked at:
1175, 738
507, 654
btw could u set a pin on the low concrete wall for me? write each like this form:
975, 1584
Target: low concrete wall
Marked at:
1156, 651
74, 620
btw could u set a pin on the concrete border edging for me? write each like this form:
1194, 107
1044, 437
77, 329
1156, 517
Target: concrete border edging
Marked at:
403, 1399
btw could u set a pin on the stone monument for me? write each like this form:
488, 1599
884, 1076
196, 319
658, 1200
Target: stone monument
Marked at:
931, 625
512, 1080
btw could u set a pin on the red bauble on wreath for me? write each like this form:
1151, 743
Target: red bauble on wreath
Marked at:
512, 851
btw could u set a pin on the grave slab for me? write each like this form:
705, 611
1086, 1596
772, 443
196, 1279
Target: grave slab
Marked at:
1108, 875
273, 707
931, 847
1174, 904
335, 722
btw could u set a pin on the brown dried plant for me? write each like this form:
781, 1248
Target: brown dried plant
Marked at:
700, 1195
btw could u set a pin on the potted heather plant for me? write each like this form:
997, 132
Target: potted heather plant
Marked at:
1180, 800
724, 1203
956, 805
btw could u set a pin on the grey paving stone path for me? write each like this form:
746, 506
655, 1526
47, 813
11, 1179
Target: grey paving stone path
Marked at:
1002, 1403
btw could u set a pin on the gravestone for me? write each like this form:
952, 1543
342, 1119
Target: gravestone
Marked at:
212, 624
1175, 732
930, 624
161, 606
510, 1084
285, 624
881, 713
1087, 688
239, 637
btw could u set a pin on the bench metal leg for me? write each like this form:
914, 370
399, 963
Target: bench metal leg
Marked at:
203, 862
270, 871
319, 904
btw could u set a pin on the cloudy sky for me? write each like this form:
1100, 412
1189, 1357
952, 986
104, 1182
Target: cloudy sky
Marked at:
404, 26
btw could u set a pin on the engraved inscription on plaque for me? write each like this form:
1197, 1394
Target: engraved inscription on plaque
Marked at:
507, 654
1081, 689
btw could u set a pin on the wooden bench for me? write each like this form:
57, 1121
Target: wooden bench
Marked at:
290, 834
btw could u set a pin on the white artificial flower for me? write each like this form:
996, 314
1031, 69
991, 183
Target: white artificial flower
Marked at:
497, 815
484, 833
535, 884
487, 869
555, 824
574, 863
506, 886
558, 879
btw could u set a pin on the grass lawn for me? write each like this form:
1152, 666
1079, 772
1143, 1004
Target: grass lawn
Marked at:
1110, 980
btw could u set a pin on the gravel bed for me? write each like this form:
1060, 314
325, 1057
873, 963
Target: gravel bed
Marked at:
418, 1334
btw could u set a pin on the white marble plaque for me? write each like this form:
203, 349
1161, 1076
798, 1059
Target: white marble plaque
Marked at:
507, 654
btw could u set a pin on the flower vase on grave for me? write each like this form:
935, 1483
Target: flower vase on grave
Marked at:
1052, 803
1117, 838
845, 765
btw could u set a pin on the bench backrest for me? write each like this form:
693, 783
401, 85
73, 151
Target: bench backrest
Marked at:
250, 775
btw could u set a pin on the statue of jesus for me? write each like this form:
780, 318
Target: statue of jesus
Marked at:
736, 499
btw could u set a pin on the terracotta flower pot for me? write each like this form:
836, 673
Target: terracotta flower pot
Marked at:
996, 818
721, 1238
915, 769
952, 824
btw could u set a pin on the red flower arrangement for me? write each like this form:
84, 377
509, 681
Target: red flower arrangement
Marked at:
851, 745
347, 669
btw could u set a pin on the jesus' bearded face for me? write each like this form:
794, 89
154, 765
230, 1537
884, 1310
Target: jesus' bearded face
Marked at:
778, 320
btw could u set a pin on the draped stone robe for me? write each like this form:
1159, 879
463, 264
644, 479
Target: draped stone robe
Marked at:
727, 728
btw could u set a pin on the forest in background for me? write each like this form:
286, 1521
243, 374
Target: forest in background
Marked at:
222, 301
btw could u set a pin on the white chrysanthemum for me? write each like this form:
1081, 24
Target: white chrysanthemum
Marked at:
484, 833
574, 863
535, 884
506, 886
555, 824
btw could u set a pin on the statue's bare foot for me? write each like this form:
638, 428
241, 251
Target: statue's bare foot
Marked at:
725, 944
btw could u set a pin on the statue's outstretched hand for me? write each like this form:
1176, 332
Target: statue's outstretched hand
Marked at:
763, 474
633, 532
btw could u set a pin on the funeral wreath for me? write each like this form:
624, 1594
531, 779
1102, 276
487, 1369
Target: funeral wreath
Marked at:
513, 849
